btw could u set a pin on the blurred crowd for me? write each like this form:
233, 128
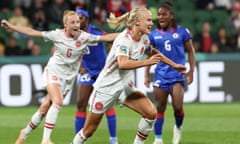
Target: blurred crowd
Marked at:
47, 15
227, 37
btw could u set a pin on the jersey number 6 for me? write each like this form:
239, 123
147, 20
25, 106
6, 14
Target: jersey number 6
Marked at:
167, 45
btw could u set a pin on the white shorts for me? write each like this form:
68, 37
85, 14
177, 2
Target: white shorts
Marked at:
101, 101
50, 77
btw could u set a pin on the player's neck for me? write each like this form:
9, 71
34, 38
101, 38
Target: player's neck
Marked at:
136, 35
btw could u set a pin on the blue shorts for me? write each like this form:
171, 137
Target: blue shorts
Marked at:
167, 84
86, 79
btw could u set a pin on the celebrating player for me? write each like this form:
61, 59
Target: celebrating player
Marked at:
61, 70
91, 66
116, 81
172, 41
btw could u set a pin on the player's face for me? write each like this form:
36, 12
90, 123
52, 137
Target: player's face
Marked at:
83, 21
145, 22
72, 26
164, 17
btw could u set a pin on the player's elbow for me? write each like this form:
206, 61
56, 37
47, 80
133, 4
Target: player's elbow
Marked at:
122, 67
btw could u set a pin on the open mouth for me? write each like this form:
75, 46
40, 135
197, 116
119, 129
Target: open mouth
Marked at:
161, 22
76, 29
149, 27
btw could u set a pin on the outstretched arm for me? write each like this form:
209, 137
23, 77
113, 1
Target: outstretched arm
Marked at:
20, 29
163, 58
125, 63
108, 37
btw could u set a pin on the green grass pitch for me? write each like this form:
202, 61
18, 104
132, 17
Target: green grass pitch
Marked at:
204, 124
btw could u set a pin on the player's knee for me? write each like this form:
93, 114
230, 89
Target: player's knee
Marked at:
58, 102
152, 114
178, 111
43, 112
161, 108
82, 106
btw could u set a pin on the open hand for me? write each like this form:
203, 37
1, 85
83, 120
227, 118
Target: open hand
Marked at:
5, 24
154, 59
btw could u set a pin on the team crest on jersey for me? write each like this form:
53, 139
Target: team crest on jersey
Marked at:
175, 35
78, 43
54, 78
98, 106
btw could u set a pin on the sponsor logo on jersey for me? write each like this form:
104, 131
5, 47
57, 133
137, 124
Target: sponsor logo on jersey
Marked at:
158, 37
123, 49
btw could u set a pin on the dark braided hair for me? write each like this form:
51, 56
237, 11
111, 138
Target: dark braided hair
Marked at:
168, 5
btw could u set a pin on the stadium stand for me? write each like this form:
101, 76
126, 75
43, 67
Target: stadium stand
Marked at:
185, 10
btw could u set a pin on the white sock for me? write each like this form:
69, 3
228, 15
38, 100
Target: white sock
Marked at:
145, 126
79, 138
51, 119
34, 122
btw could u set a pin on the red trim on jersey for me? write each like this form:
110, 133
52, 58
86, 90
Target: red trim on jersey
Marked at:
170, 31
65, 32
131, 84
130, 34
111, 64
47, 75
80, 114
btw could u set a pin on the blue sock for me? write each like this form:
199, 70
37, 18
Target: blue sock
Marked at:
80, 118
179, 118
159, 125
112, 122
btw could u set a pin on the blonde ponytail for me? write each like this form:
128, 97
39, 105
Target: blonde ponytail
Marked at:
117, 22
125, 20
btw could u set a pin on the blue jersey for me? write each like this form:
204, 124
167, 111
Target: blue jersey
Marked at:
95, 60
171, 44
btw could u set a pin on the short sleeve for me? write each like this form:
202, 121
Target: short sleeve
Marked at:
152, 42
91, 38
122, 48
186, 34
51, 35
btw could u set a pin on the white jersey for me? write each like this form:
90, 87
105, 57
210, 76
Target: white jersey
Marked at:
66, 59
113, 80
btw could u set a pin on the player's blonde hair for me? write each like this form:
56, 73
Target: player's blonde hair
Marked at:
125, 20
67, 13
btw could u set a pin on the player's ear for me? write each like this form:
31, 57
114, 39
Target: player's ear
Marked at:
137, 23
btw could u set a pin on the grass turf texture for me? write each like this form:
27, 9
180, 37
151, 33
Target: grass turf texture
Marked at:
204, 124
